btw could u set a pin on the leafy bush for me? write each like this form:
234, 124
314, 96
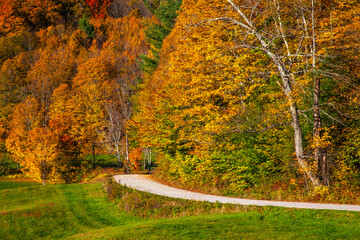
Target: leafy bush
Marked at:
7, 164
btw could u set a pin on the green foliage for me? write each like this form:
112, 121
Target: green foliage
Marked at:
87, 27
166, 13
7, 164
251, 160
348, 170
151, 5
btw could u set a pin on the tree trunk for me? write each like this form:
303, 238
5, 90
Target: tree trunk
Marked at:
286, 85
299, 151
318, 151
149, 162
93, 155
43, 179
319, 157
118, 156
287, 88
127, 162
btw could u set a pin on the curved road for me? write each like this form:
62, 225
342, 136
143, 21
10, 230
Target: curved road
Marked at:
146, 184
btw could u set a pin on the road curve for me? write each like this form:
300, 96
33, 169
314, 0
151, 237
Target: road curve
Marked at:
146, 184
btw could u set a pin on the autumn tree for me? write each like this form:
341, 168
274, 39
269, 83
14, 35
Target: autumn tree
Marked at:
98, 7
69, 160
25, 118
123, 47
41, 154
9, 22
87, 99
189, 104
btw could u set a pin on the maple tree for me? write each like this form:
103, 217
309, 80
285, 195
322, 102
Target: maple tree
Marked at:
41, 154
9, 22
98, 7
25, 118
69, 160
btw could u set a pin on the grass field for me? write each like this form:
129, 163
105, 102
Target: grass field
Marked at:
83, 211
57, 211
7, 184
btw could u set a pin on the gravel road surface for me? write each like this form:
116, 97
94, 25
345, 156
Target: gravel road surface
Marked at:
146, 184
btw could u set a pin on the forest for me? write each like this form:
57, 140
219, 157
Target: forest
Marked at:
238, 97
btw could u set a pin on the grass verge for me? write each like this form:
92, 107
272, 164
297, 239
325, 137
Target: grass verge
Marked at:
56, 211
83, 211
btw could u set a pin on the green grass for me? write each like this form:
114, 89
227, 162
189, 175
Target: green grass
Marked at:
57, 211
103, 160
6, 184
268, 224
84, 211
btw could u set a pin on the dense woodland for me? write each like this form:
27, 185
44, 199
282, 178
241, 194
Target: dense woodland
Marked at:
224, 95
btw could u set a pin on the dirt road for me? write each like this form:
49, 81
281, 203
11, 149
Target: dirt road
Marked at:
146, 184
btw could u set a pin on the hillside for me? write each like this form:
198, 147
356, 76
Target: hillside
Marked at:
239, 98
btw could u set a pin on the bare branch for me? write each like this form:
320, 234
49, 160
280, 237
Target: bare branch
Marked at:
336, 120
225, 19
266, 128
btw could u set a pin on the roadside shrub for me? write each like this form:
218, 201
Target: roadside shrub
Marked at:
149, 205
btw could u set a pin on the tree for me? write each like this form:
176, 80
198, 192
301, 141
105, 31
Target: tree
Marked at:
69, 158
87, 99
158, 28
53, 68
41, 153
86, 27
98, 7
9, 22
30, 15
24, 119
124, 46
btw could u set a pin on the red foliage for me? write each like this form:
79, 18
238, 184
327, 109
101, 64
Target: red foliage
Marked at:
98, 7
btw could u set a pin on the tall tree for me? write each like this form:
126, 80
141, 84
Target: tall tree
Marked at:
158, 28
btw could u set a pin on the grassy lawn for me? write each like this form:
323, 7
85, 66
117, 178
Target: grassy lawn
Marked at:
83, 211
57, 211
103, 160
269, 224
6, 184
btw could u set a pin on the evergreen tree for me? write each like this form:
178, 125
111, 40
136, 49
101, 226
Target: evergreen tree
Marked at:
166, 13
87, 27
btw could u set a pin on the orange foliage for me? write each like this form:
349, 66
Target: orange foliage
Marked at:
9, 22
135, 156
41, 154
